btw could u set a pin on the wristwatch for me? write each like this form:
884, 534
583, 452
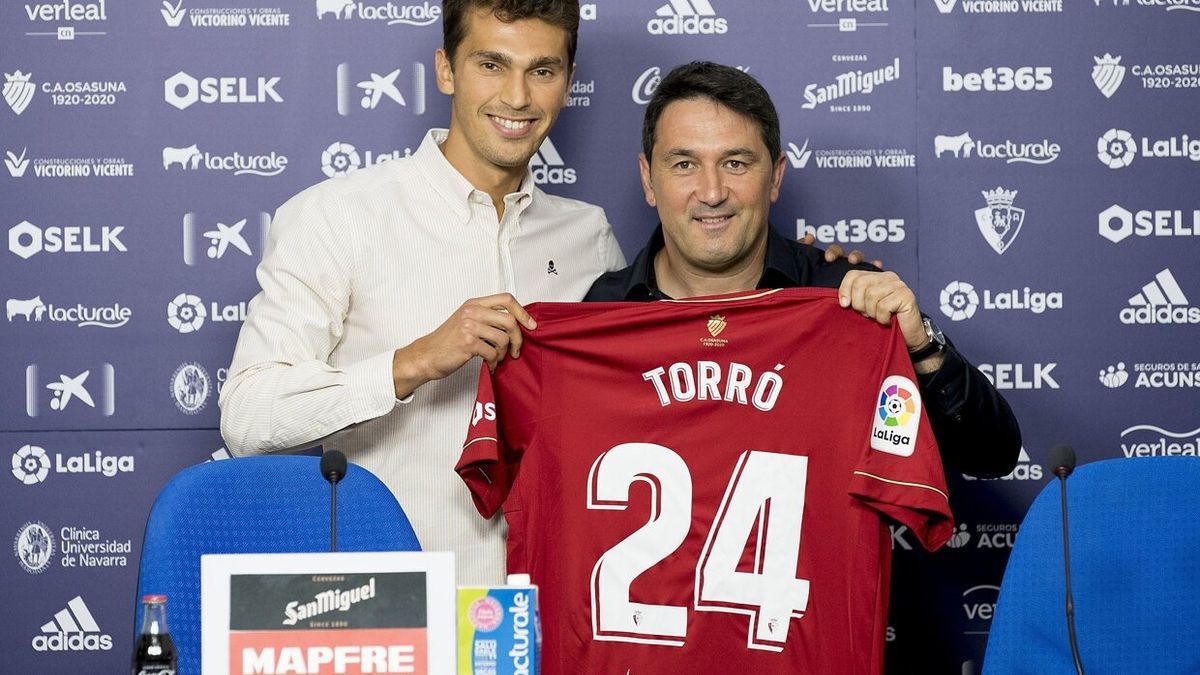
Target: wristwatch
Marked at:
937, 342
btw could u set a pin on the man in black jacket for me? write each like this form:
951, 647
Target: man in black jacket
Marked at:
712, 166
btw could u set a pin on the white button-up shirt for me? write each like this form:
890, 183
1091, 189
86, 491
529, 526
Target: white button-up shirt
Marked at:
357, 267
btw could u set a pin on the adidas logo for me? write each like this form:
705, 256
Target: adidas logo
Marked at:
1160, 302
547, 166
72, 630
687, 17
1024, 470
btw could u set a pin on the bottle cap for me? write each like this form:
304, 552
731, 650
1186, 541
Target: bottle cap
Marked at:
154, 598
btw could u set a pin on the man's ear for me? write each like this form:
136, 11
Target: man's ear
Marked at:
777, 176
445, 72
647, 185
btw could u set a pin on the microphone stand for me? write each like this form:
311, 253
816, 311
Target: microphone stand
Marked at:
1070, 606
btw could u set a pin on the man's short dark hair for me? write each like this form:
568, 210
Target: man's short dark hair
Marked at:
721, 84
561, 13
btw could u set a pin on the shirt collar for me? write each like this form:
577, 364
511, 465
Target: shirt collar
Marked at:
454, 187
780, 270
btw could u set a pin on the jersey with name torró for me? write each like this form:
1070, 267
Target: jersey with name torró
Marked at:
702, 485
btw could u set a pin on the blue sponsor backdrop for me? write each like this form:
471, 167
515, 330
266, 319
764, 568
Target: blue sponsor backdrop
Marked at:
1029, 166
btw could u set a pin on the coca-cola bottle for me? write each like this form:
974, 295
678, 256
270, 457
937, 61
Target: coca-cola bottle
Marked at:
154, 652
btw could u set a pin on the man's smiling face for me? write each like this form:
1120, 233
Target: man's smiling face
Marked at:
508, 81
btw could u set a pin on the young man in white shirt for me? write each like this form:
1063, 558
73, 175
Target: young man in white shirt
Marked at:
359, 336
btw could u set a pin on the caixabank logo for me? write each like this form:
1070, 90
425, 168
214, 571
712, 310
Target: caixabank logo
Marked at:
71, 390
66, 19
687, 17
387, 90
1160, 302
848, 16
72, 629
225, 239
390, 13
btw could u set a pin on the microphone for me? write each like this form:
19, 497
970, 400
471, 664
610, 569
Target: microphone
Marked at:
1062, 464
333, 468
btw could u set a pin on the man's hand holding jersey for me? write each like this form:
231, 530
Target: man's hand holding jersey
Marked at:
880, 296
487, 327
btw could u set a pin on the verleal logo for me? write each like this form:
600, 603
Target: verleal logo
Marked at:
1150, 440
799, 156
34, 547
182, 90
73, 629
1107, 74
999, 222
687, 17
71, 388
30, 464
18, 90
340, 160
959, 300
1116, 148
173, 14
16, 165
186, 313
1114, 377
897, 417
547, 166
190, 387
1160, 302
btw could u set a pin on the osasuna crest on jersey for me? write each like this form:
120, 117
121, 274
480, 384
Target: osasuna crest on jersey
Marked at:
702, 485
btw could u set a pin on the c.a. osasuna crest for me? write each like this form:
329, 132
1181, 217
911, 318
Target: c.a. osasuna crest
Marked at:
716, 324
1000, 222
1108, 73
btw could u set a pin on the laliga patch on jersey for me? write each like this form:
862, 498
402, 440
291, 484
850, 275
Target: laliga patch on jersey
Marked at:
897, 417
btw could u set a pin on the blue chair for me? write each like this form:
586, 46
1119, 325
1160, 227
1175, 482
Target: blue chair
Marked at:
269, 504
1135, 552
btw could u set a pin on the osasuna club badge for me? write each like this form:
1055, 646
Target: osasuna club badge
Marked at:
897, 417
1000, 222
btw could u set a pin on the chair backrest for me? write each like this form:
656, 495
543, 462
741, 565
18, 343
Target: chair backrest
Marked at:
269, 504
1135, 552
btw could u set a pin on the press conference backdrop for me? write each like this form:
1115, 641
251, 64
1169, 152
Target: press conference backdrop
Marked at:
1028, 166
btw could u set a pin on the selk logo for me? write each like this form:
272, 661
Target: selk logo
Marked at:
32, 465
232, 239
849, 24
190, 387
548, 167
1025, 470
999, 79
687, 17
187, 313
183, 90
854, 230
392, 13
1019, 376
34, 547
963, 146
192, 158
1148, 440
999, 222
16, 164
65, 14
26, 240
1160, 302
1117, 223
380, 88
1114, 377
18, 90
70, 388
850, 83
224, 17
1107, 74
959, 300
34, 310
73, 629
1117, 148
342, 159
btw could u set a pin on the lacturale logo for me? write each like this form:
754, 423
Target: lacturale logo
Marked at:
73, 629
1160, 302
547, 166
687, 17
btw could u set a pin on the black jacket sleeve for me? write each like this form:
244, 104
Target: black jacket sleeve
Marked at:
974, 426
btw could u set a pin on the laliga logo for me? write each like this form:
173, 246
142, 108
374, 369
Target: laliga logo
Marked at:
340, 160
959, 300
186, 313
30, 464
1116, 149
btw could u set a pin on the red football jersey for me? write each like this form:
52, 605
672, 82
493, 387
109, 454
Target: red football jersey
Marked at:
701, 485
